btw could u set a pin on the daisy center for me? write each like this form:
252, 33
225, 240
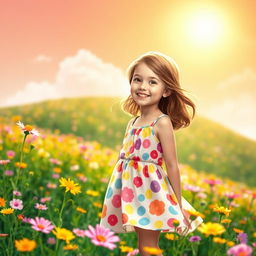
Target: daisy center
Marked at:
101, 238
40, 226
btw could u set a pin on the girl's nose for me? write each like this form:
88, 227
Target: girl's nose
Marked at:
143, 85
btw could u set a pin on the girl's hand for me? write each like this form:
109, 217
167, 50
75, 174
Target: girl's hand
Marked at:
186, 218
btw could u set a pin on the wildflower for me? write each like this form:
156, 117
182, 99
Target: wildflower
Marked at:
171, 236
97, 204
16, 204
242, 238
194, 239
3, 235
8, 173
26, 220
51, 185
42, 207
240, 249
231, 195
230, 243
79, 232
28, 129
134, 252
226, 221
222, 210
102, 236
63, 234
25, 245
45, 199
125, 248
79, 209
7, 211
74, 188
194, 189
238, 230
55, 175
20, 165
219, 240
195, 213
20, 216
210, 228
16, 193
55, 161
70, 247
57, 170
212, 182
92, 192
152, 250
10, 154
2, 202
3, 162
51, 240
41, 224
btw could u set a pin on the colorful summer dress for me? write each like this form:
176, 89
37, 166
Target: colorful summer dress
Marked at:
139, 192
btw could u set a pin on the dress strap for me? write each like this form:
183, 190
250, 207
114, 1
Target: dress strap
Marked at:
134, 120
158, 119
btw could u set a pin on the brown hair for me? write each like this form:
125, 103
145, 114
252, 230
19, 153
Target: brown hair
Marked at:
175, 104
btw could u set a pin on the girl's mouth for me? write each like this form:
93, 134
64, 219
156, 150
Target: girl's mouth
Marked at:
142, 95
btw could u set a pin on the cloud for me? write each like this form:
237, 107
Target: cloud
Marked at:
233, 103
42, 58
83, 74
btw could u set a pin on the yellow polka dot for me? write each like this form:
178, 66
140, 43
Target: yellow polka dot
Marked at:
139, 167
164, 186
148, 194
146, 132
132, 222
128, 209
158, 224
151, 168
112, 178
126, 175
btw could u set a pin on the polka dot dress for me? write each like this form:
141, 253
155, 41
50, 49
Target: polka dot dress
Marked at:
139, 192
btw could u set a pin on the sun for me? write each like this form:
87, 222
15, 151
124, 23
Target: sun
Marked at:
205, 27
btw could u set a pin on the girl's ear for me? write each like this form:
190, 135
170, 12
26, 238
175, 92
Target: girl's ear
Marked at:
167, 93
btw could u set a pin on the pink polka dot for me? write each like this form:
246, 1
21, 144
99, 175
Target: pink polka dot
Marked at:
159, 148
146, 143
131, 149
112, 219
137, 181
170, 222
116, 201
154, 154
145, 171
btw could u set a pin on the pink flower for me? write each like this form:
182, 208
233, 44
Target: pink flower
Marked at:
134, 252
10, 154
55, 161
51, 240
191, 188
102, 236
231, 195
212, 182
41, 206
240, 249
45, 199
41, 224
51, 185
16, 204
3, 162
79, 232
26, 220
16, 193
8, 173
127, 194
55, 175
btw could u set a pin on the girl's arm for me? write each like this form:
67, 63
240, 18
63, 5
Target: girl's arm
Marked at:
166, 136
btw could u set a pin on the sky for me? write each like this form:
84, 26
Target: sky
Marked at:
56, 49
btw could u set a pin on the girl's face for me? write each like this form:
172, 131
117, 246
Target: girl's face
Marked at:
146, 86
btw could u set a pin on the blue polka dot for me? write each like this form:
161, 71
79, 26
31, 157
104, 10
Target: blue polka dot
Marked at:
141, 210
144, 221
118, 183
110, 192
145, 156
141, 197
172, 210
125, 165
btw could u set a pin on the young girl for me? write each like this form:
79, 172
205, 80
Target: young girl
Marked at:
141, 196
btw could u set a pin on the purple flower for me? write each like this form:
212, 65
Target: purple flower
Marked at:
16, 204
194, 239
242, 238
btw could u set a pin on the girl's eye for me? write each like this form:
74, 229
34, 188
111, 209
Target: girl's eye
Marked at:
136, 79
153, 82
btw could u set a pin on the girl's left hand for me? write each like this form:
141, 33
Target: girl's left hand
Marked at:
186, 218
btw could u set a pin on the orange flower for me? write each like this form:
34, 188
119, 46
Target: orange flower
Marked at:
104, 211
21, 165
2, 202
238, 230
156, 207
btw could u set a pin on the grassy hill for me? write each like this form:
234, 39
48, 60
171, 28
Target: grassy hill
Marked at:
205, 145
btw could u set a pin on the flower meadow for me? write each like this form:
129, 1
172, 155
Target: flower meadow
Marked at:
51, 192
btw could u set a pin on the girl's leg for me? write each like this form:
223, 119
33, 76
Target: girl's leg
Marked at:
147, 238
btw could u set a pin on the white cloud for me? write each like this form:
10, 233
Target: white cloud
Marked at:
83, 74
42, 58
233, 103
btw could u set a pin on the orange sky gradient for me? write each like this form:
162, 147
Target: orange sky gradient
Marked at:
59, 44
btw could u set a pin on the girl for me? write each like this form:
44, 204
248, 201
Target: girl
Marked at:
141, 197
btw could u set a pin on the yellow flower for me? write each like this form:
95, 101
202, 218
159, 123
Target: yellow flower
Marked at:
219, 240
254, 234
171, 236
210, 228
195, 213
92, 192
238, 230
21, 165
63, 234
57, 170
222, 210
2, 202
122, 242
97, 204
79, 209
226, 221
125, 248
25, 245
230, 243
70, 247
69, 184
152, 250
7, 211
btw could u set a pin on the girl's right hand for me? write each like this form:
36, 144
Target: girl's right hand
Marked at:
186, 218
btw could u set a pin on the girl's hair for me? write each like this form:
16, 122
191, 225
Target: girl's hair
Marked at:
167, 70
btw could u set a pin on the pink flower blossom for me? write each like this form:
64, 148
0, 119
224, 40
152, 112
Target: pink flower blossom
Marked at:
3, 162
55, 175
41, 224
133, 253
51, 240
79, 232
212, 182
191, 188
51, 185
240, 249
41, 206
45, 199
8, 173
10, 154
16, 204
16, 193
102, 236
26, 220
55, 161
231, 195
